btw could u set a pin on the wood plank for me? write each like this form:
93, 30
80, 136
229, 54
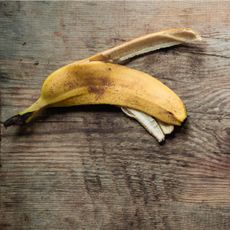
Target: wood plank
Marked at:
92, 167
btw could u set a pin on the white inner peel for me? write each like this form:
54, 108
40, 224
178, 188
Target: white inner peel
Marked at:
148, 122
166, 128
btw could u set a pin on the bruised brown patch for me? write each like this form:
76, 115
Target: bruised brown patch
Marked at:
94, 85
98, 86
97, 90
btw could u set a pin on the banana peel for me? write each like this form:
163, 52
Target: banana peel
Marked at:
100, 79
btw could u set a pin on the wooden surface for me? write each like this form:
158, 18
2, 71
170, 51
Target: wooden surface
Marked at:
93, 167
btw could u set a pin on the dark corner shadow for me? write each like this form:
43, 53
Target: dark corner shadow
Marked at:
29, 128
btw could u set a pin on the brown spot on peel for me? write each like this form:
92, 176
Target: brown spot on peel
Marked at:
98, 86
97, 90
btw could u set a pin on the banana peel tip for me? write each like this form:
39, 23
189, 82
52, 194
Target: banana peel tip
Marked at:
17, 120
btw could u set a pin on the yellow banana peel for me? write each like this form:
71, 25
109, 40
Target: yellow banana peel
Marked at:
97, 80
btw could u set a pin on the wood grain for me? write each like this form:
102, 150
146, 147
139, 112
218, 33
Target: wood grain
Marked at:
92, 167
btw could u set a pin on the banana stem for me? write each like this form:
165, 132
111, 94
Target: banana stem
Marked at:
25, 116
17, 119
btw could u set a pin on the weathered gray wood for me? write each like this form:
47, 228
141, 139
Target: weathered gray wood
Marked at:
93, 167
